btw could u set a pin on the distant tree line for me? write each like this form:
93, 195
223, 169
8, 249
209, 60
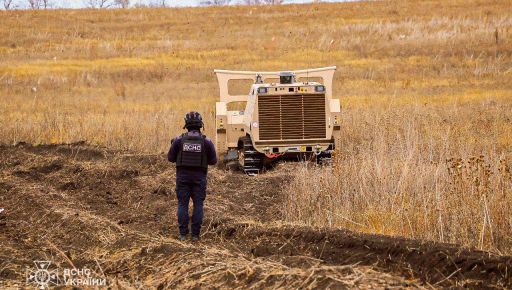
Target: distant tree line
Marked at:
46, 4
245, 2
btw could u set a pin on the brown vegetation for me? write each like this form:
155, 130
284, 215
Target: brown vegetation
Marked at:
422, 172
426, 90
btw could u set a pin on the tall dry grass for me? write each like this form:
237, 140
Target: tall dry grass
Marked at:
423, 171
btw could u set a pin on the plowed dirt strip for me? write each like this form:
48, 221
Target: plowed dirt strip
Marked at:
114, 212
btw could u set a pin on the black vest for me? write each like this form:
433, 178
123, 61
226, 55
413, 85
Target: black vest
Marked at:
192, 153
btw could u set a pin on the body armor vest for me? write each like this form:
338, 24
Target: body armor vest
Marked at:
192, 153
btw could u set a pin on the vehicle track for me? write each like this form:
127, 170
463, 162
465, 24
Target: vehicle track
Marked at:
114, 212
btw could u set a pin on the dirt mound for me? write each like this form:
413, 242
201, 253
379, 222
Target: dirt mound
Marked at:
114, 212
432, 263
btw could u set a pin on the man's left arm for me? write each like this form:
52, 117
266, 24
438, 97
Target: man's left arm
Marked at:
211, 153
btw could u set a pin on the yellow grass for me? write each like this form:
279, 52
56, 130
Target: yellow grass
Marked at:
420, 82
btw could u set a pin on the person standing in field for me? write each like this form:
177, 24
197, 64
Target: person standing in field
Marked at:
192, 152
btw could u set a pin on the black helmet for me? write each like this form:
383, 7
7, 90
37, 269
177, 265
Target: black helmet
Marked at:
193, 120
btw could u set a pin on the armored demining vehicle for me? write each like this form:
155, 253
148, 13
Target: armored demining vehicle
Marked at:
292, 118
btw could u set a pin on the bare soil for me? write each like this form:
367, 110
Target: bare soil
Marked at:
114, 212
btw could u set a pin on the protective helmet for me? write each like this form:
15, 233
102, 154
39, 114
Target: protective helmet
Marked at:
193, 120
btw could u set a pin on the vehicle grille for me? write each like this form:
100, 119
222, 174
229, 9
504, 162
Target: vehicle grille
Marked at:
291, 117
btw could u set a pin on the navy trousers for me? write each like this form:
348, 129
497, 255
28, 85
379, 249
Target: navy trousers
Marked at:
187, 189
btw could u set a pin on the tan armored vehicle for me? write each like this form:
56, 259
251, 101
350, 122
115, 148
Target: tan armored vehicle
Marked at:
292, 118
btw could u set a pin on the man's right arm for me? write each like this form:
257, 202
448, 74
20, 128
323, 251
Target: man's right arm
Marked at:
172, 155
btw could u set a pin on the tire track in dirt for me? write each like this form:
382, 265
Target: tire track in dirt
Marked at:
97, 207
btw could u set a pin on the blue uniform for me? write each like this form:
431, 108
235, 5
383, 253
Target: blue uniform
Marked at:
191, 183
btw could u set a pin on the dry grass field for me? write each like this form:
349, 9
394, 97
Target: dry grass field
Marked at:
425, 87
124, 78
